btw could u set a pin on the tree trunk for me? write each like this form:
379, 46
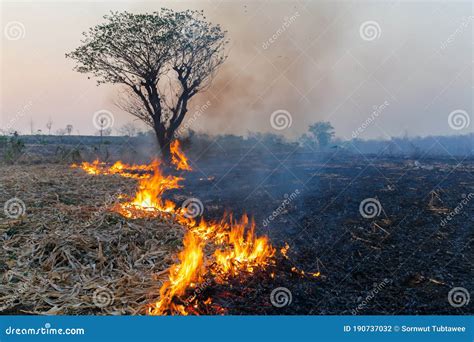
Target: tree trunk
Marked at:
163, 143
166, 153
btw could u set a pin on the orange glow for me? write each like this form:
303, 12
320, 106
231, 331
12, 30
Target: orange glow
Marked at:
94, 168
236, 248
131, 171
119, 168
242, 250
178, 159
148, 200
284, 250
187, 272
303, 273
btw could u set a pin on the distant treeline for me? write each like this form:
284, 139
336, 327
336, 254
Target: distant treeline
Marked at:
415, 147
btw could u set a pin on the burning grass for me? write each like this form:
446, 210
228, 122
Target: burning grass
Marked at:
235, 247
148, 201
178, 158
118, 168
233, 250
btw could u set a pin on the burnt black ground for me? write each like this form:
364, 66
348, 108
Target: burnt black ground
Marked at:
403, 261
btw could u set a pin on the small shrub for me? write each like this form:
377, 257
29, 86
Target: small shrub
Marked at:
12, 148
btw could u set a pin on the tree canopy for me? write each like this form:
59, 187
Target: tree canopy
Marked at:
163, 59
323, 132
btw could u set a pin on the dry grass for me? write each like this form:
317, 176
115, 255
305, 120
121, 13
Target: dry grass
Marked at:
68, 254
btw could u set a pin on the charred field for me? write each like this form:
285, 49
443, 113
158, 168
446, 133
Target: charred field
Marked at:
370, 232
403, 260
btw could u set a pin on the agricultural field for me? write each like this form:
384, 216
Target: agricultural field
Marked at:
345, 234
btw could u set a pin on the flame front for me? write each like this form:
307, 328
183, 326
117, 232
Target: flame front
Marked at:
94, 168
119, 168
178, 159
242, 250
232, 247
182, 275
148, 200
237, 251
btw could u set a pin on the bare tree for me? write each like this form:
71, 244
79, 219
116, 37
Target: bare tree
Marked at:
162, 59
32, 127
105, 132
128, 129
69, 129
102, 124
49, 124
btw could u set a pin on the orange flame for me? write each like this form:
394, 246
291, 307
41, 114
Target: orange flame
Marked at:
181, 276
148, 200
284, 250
178, 159
119, 168
242, 250
237, 250
94, 168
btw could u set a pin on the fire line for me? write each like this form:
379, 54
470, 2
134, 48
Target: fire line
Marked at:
235, 247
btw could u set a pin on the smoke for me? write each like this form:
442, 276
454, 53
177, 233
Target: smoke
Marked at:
337, 61
269, 67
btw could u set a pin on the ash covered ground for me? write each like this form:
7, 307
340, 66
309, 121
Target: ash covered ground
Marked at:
404, 258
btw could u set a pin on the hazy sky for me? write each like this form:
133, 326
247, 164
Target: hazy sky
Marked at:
333, 61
